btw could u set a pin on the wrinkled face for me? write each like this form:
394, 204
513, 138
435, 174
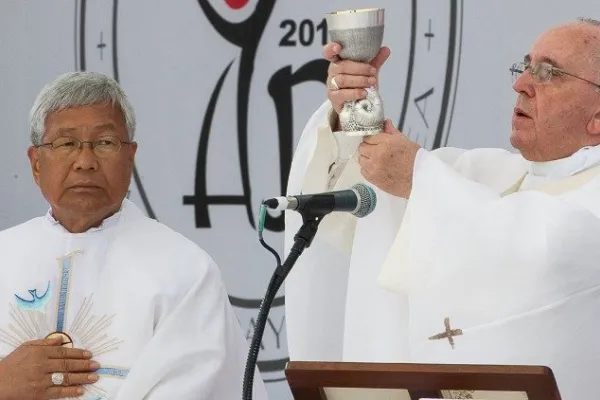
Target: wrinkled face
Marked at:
555, 119
84, 181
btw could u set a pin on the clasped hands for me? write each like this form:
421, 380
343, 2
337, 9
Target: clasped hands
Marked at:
386, 159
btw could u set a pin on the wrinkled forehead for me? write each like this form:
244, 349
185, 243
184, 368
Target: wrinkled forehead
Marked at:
567, 46
95, 119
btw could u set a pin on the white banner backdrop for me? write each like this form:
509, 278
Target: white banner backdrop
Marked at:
223, 88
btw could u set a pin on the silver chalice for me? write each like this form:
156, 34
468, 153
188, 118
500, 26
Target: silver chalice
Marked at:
360, 33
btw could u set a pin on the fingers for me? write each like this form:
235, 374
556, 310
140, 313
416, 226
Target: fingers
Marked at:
75, 379
366, 173
331, 51
69, 365
381, 57
375, 139
61, 392
367, 169
351, 78
365, 161
365, 150
348, 67
388, 127
53, 341
339, 97
354, 81
65, 352
71, 386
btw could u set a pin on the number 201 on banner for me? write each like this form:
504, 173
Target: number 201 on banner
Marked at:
303, 33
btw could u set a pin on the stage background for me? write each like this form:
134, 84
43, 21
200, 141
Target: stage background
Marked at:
222, 89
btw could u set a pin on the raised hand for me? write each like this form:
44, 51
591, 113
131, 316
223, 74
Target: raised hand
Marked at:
387, 160
347, 79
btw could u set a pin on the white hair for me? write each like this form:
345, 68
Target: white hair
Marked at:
75, 89
595, 57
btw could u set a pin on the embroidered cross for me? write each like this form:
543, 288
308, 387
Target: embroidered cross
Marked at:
449, 333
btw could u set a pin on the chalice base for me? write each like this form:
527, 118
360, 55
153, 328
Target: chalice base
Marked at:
363, 117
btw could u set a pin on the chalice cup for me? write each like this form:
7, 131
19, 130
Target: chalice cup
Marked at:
360, 33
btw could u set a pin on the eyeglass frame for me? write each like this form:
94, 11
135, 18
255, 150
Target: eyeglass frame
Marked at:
93, 143
551, 68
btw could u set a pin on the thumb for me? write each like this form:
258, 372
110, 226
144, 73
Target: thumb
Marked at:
381, 57
331, 51
389, 128
51, 341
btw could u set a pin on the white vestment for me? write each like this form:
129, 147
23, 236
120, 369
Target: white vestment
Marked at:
505, 250
148, 303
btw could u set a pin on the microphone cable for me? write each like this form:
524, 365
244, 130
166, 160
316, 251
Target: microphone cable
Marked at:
261, 226
265, 306
302, 240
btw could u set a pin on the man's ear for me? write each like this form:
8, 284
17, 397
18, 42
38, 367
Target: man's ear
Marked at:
132, 150
34, 159
593, 126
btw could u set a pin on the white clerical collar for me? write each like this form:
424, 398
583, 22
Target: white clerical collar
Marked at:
581, 160
106, 223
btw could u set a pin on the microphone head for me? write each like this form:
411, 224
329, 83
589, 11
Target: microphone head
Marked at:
367, 198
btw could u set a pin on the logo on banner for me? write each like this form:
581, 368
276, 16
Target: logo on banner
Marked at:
418, 87
247, 36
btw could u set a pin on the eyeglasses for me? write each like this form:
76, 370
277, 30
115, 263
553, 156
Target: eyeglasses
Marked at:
102, 147
543, 72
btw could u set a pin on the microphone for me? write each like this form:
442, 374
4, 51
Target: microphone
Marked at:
360, 200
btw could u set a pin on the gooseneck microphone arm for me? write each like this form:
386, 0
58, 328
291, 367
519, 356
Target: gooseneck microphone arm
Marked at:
312, 214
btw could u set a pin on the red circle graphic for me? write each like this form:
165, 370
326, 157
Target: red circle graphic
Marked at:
236, 4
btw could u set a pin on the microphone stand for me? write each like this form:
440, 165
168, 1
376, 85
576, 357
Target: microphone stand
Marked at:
302, 240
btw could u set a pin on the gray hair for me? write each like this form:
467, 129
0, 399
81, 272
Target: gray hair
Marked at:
75, 89
590, 21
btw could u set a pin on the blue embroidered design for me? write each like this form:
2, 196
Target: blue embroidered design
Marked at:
64, 290
37, 302
89, 331
114, 372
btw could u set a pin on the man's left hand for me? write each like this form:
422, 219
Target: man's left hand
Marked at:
387, 160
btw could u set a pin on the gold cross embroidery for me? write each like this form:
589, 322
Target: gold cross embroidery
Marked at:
449, 333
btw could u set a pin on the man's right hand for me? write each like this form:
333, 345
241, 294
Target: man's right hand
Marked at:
351, 77
25, 374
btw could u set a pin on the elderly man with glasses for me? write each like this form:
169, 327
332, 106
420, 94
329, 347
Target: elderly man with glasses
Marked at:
97, 301
479, 256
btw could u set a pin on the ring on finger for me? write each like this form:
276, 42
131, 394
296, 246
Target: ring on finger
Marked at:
58, 378
333, 84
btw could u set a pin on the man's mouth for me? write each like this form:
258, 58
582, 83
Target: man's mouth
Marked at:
519, 112
85, 186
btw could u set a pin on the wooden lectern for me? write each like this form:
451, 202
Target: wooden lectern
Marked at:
380, 381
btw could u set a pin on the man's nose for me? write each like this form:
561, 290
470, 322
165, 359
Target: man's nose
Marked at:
86, 159
524, 84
